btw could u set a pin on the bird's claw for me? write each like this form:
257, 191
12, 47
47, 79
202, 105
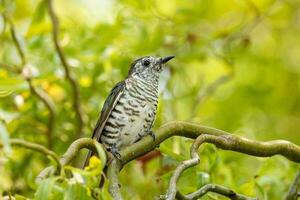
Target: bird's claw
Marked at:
152, 134
114, 151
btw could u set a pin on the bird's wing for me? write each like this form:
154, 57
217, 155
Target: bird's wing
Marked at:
108, 106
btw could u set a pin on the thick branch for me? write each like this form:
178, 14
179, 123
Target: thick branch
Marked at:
193, 130
38, 148
220, 138
70, 78
113, 176
294, 191
226, 141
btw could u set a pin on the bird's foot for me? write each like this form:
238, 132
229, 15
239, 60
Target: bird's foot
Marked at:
152, 134
114, 151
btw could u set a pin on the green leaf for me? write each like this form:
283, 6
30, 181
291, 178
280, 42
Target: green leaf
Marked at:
168, 151
4, 136
38, 24
104, 194
45, 189
8, 116
10, 85
77, 191
20, 197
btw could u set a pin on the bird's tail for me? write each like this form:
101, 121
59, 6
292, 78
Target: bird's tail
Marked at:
87, 159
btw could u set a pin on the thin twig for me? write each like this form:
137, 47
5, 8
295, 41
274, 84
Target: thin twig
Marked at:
294, 191
45, 98
75, 147
72, 152
40, 94
10, 67
195, 159
218, 189
227, 58
69, 77
38, 148
209, 90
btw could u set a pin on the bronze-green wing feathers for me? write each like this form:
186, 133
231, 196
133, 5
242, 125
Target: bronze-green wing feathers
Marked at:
108, 106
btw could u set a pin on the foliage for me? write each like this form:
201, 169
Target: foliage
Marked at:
236, 68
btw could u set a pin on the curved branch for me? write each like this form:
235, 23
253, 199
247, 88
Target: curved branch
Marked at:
36, 147
215, 189
69, 77
226, 141
75, 147
71, 154
195, 159
193, 130
220, 138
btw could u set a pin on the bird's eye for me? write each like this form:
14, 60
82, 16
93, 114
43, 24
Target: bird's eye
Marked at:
146, 63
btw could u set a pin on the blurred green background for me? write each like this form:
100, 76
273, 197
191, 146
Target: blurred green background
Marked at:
236, 69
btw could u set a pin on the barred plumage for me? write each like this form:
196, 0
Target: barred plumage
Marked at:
129, 111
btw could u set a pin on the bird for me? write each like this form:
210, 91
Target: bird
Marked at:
129, 112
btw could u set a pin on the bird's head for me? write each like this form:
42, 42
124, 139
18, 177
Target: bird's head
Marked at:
148, 66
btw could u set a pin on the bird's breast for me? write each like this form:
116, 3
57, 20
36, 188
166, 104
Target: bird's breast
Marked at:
133, 115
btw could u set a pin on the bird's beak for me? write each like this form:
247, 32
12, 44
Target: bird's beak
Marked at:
165, 59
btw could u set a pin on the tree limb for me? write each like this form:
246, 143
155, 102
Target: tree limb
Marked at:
69, 77
113, 175
226, 141
221, 139
193, 130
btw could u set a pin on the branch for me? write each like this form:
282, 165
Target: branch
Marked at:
45, 98
75, 147
221, 139
69, 77
17, 43
213, 188
226, 141
40, 94
36, 147
193, 130
113, 175
195, 159
71, 154
294, 191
